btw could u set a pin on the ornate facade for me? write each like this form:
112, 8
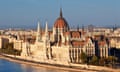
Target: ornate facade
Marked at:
60, 46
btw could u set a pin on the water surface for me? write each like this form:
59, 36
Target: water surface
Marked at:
8, 66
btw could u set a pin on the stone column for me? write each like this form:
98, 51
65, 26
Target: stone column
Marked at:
74, 55
106, 52
77, 55
101, 53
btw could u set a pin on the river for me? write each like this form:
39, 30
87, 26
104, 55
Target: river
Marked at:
8, 66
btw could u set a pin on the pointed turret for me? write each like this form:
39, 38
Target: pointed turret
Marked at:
46, 30
38, 37
38, 27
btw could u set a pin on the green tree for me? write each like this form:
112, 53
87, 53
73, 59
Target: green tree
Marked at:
111, 60
94, 60
83, 57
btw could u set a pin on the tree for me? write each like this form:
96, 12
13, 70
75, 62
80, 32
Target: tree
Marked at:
83, 57
111, 59
94, 60
102, 61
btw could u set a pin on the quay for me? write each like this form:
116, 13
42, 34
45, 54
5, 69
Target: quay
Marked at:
76, 68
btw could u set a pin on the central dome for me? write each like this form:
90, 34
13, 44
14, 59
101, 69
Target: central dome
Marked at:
61, 22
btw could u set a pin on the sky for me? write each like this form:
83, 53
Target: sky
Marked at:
26, 13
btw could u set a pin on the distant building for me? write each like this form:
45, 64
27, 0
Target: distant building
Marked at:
3, 42
102, 46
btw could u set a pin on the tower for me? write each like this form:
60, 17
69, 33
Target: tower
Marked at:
60, 26
47, 43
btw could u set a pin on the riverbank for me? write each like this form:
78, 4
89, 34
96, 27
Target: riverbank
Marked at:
58, 67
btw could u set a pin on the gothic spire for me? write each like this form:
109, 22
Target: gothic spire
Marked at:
46, 28
38, 28
82, 27
38, 37
61, 13
46, 32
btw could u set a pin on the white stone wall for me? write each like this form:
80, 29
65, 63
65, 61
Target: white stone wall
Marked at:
61, 54
18, 44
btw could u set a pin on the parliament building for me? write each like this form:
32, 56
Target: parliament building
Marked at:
62, 45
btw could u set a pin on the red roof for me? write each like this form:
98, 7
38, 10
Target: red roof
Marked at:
78, 43
102, 43
60, 23
75, 34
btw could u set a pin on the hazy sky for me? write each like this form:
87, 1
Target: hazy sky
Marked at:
26, 13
